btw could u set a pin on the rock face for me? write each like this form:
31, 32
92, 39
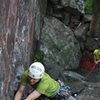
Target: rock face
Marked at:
18, 36
61, 50
20, 27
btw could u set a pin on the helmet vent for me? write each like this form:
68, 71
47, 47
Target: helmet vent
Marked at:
37, 68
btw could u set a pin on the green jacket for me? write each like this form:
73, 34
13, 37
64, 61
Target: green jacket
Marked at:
96, 54
46, 86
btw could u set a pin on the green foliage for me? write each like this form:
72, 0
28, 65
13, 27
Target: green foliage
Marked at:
37, 56
88, 6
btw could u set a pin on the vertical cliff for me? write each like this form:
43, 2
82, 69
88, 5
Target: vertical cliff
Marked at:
18, 37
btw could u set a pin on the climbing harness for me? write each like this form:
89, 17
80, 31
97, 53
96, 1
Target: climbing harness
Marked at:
64, 92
